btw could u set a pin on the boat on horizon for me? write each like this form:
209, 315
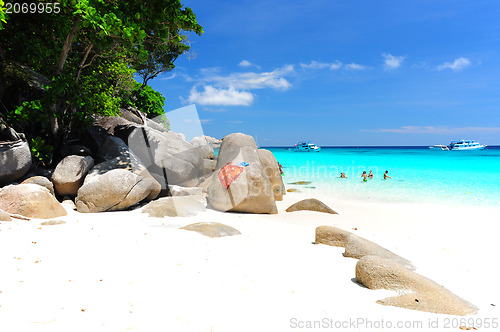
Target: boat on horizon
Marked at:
466, 145
306, 146
439, 147
459, 145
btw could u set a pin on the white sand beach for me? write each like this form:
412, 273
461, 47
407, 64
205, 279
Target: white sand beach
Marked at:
124, 271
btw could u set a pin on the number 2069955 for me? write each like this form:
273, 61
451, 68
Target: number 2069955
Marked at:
32, 8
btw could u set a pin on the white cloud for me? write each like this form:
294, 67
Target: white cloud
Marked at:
219, 96
250, 80
201, 121
235, 122
322, 65
434, 130
391, 61
246, 63
456, 65
162, 77
355, 66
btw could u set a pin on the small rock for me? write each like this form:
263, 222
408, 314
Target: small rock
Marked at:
180, 206
310, 204
302, 183
293, 190
212, 229
53, 222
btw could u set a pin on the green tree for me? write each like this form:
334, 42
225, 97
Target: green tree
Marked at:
90, 51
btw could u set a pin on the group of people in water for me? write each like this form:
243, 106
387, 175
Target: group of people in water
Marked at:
368, 176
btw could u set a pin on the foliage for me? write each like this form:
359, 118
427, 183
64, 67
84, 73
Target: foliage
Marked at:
90, 51
2, 14
148, 100
41, 152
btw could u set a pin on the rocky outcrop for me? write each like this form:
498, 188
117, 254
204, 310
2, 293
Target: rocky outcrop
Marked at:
41, 181
114, 190
416, 291
166, 154
310, 204
31, 201
15, 161
251, 191
212, 229
272, 170
179, 206
69, 174
356, 246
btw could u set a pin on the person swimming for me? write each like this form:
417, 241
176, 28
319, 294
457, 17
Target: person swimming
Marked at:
370, 175
364, 176
386, 175
342, 175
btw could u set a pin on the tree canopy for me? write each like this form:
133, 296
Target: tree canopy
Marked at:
91, 50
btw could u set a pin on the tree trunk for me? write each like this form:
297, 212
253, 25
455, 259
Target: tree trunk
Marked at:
85, 56
67, 46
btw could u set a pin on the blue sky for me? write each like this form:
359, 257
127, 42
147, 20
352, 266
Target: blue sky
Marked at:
339, 73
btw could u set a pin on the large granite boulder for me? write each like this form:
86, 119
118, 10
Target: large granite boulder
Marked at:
416, 291
167, 155
41, 181
251, 191
178, 206
31, 201
212, 229
117, 155
207, 145
114, 190
272, 171
69, 174
310, 204
15, 161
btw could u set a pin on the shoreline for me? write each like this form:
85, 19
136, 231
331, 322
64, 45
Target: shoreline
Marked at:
155, 275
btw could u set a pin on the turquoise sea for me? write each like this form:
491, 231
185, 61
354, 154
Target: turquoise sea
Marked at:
418, 174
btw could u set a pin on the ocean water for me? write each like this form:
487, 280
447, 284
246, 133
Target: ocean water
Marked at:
418, 174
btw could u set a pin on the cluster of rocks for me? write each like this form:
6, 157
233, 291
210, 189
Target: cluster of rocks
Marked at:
379, 268
134, 160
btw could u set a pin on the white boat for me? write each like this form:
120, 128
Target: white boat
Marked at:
439, 147
306, 146
466, 145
